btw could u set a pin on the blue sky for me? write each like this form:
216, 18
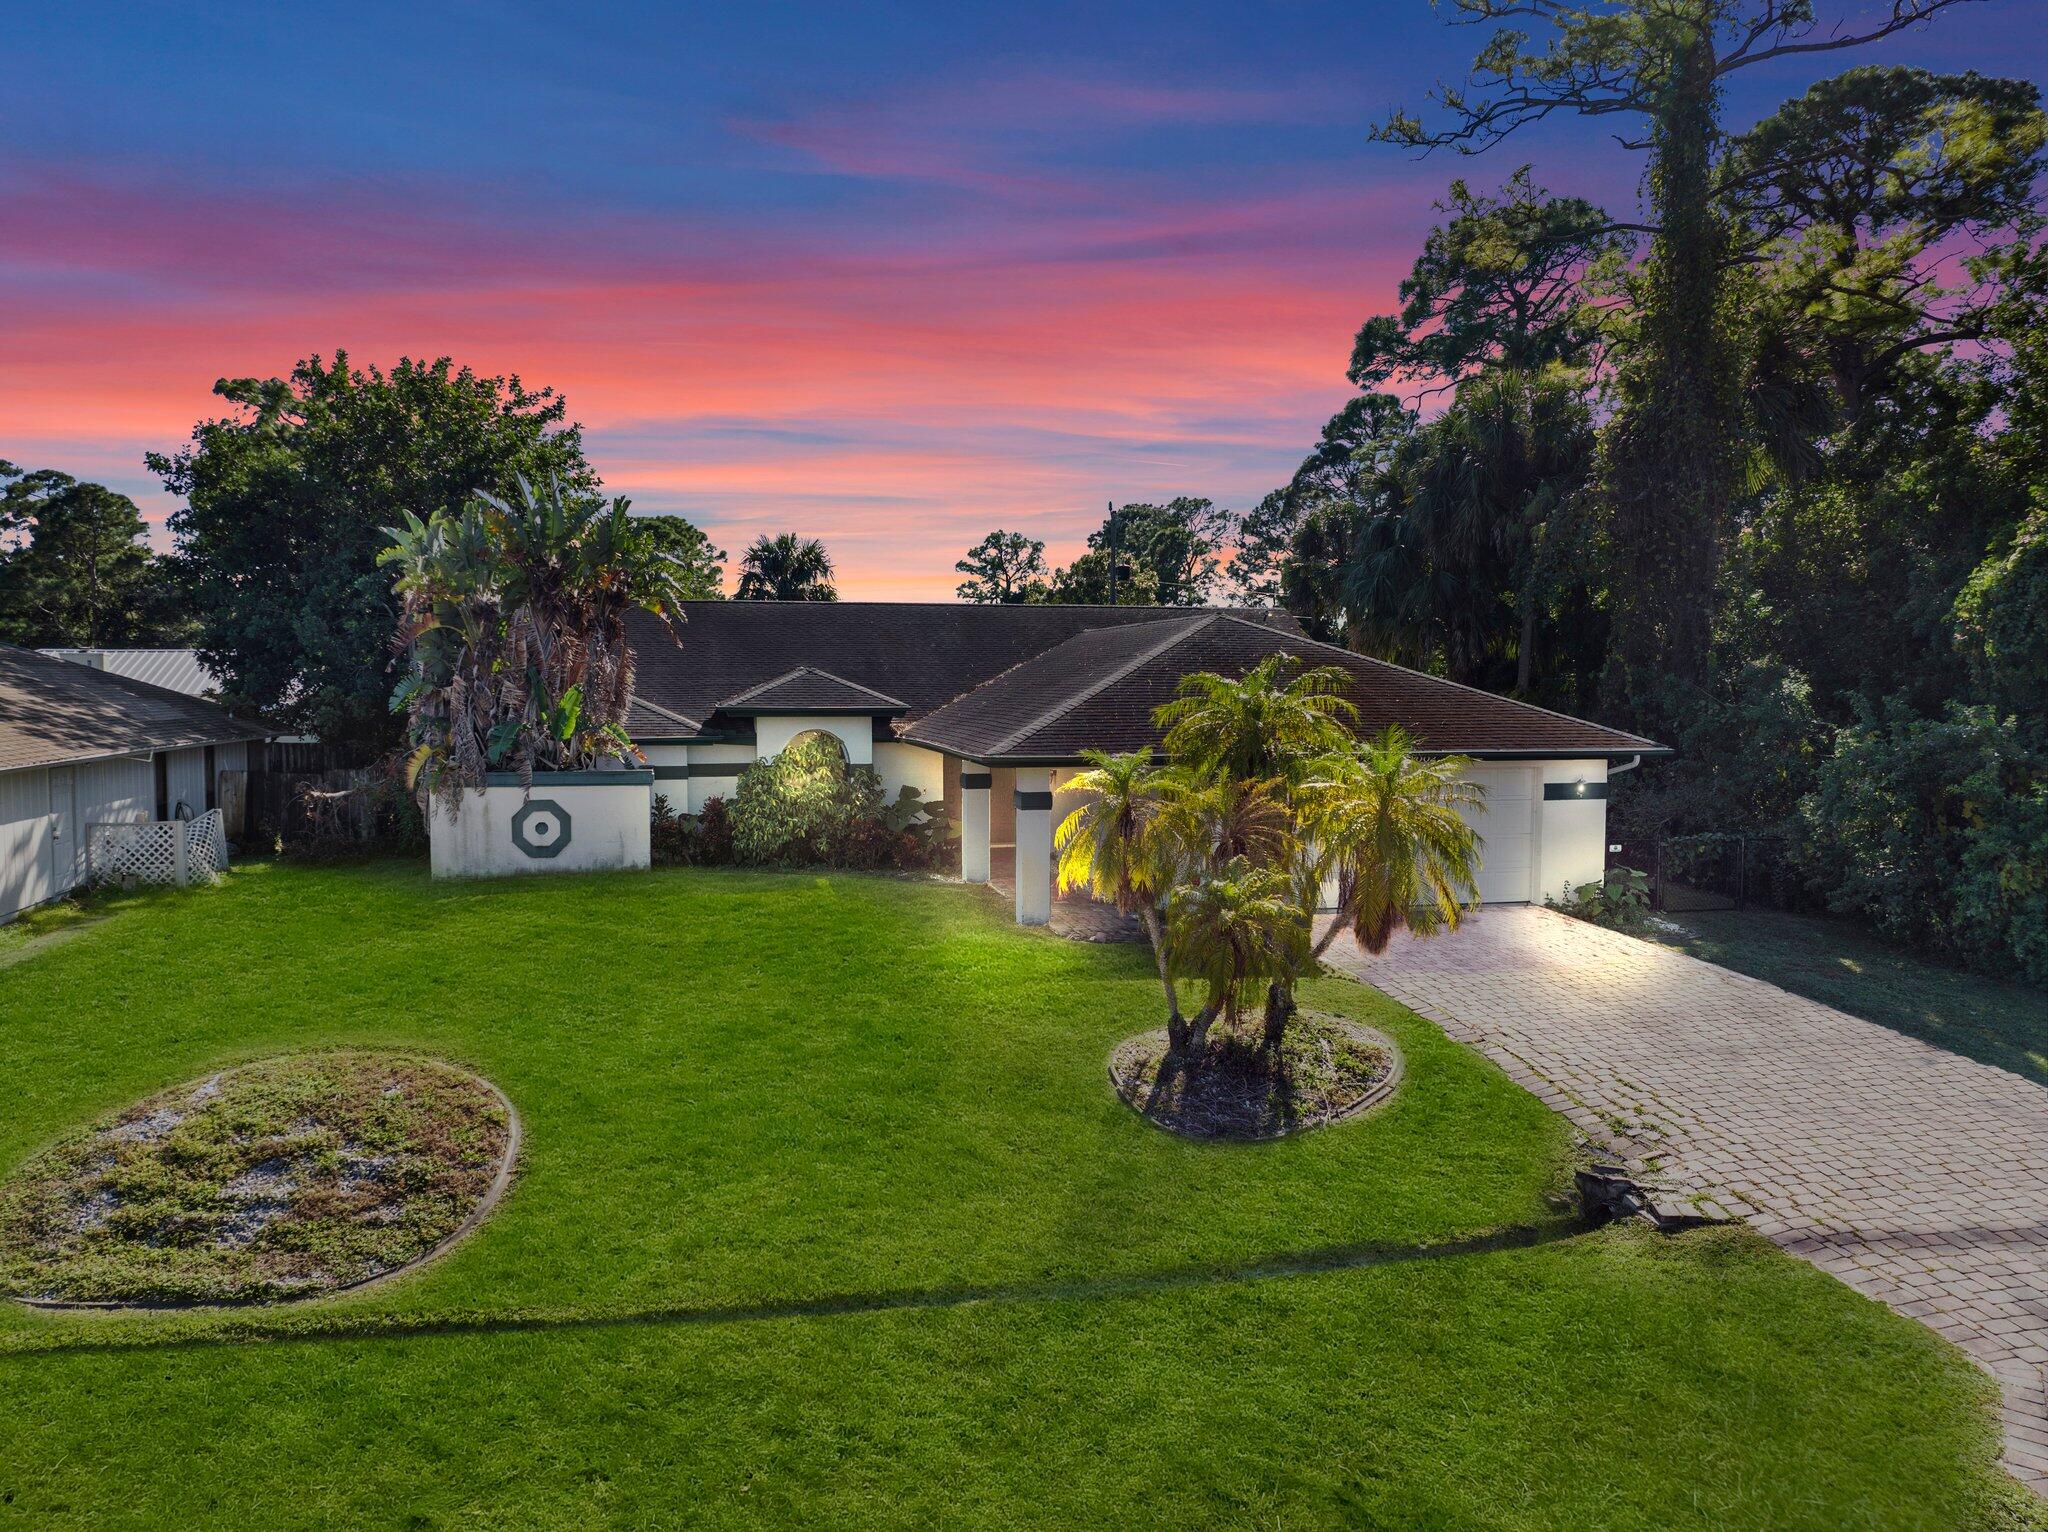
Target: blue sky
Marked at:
887, 275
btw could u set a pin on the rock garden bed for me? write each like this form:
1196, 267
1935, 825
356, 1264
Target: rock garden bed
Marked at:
280, 1179
1326, 1069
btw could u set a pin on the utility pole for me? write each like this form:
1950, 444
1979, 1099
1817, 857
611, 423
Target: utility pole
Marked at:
1110, 505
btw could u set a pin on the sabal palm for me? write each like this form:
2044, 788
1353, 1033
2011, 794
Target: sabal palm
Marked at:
1111, 845
1237, 926
786, 568
1258, 726
1387, 821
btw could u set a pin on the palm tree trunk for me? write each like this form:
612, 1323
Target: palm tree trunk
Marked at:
1279, 1011
1176, 1024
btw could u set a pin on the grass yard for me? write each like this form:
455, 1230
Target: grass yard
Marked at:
1843, 966
828, 1216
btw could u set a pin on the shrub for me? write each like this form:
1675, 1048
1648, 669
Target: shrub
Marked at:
807, 807
703, 839
1936, 831
2002, 622
1620, 901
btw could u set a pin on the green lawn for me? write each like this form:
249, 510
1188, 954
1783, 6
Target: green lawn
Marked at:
828, 1215
1844, 966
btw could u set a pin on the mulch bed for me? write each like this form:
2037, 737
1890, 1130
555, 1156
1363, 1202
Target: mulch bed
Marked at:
1327, 1068
280, 1179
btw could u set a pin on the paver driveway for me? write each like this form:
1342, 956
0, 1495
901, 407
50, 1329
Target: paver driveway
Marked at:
1916, 1176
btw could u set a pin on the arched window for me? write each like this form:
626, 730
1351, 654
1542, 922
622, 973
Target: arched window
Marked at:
822, 739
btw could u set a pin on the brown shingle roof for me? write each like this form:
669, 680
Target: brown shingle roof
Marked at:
923, 654
1098, 691
53, 712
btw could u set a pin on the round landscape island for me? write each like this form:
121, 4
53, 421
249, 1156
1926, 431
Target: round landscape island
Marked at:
1326, 1069
281, 1179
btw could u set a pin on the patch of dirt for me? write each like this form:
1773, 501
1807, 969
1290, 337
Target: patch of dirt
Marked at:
280, 1179
1326, 1069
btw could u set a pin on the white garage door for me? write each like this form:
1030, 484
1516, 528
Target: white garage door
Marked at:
1504, 823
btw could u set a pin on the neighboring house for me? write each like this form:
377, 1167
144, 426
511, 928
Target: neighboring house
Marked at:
177, 670
81, 746
988, 709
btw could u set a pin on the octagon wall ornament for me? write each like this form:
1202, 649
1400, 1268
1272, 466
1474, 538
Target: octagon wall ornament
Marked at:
541, 828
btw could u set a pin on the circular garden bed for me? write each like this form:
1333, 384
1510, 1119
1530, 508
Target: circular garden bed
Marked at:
1326, 1069
280, 1179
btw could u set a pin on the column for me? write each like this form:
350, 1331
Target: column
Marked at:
1034, 845
974, 786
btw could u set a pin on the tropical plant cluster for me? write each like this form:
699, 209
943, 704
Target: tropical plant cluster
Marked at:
807, 807
512, 623
1265, 799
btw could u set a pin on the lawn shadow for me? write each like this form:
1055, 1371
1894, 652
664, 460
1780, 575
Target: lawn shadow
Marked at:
1326, 1260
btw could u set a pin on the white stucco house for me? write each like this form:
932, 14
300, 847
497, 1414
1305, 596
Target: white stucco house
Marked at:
81, 746
988, 708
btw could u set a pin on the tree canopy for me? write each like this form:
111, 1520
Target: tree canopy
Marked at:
1003, 569
76, 569
286, 499
786, 567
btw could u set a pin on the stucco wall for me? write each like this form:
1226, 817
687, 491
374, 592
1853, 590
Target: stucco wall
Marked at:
1571, 831
772, 735
900, 766
569, 822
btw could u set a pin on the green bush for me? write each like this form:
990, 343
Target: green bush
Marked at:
1620, 901
1936, 831
807, 807
2002, 622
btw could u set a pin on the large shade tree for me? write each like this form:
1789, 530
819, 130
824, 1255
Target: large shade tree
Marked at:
1003, 569
286, 501
76, 569
1658, 70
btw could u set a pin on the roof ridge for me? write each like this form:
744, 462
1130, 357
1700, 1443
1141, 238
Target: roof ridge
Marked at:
1479, 691
667, 712
819, 670
1182, 629
762, 686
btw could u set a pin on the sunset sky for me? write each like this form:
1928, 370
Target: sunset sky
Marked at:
891, 276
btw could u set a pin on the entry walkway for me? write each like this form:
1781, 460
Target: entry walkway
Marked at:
1918, 1177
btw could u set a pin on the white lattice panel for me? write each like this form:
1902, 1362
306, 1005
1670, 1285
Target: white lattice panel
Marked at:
130, 854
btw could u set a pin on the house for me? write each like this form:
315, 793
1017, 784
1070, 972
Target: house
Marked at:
81, 746
988, 708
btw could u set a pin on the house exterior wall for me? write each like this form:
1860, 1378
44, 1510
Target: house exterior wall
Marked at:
187, 776
773, 734
900, 766
27, 841
1571, 827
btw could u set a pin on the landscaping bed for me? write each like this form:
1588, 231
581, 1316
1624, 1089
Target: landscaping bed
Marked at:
1326, 1069
280, 1179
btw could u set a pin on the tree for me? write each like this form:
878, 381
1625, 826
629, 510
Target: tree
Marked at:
1853, 198
1087, 582
75, 568
1003, 569
512, 618
1164, 555
786, 568
699, 568
1231, 928
1111, 845
1260, 726
1505, 281
1344, 470
286, 502
1670, 454
1389, 826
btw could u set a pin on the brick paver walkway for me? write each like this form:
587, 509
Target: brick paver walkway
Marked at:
1916, 1176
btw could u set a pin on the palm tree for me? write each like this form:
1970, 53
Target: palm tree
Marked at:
1387, 823
786, 568
1112, 847
1231, 928
1262, 725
